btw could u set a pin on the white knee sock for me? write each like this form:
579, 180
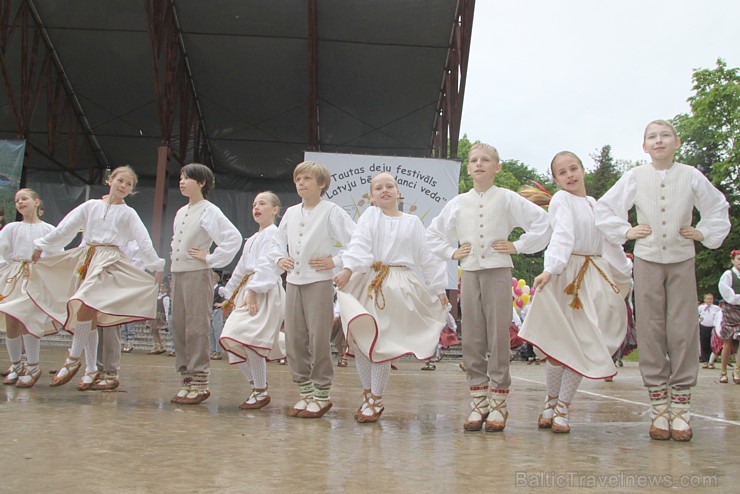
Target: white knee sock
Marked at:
363, 365
379, 375
258, 365
91, 352
554, 375
246, 370
571, 381
15, 348
33, 348
79, 339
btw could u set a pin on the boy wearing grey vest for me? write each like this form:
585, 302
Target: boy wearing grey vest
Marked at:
480, 222
303, 247
197, 225
664, 194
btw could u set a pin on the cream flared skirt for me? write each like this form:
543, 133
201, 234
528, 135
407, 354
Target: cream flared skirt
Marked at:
583, 339
120, 292
16, 304
409, 322
261, 332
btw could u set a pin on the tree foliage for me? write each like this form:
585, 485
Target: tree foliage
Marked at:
604, 175
709, 135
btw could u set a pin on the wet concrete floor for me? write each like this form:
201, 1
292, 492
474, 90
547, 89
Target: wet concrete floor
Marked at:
133, 440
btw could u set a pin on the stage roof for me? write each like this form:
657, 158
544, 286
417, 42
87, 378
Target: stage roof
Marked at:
379, 73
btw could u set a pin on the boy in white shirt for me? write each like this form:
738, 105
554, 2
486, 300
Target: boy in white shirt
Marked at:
303, 246
197, 225
481, 221
664, 194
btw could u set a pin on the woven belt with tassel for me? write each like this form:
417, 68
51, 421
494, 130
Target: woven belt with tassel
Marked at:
376, 286
575, 285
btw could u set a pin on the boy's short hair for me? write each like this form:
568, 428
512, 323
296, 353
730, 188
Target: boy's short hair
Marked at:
199, 173
317, 170
488, 148
664, 123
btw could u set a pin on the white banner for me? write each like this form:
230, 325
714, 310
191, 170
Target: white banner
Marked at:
426, 184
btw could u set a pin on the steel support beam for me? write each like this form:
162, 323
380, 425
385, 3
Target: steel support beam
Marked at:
313, 98
177, 101
449, 107
36, 73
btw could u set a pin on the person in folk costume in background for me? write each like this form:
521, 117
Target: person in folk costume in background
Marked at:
255, 305
94, 285
578, 317
23, 322
729, 288
387, 309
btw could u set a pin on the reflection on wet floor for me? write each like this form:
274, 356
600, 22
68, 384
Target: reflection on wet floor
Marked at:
134, 440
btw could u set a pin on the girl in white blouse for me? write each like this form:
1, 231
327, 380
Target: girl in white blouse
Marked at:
23, 323
578, 317
255, 294
393, 299
94, 285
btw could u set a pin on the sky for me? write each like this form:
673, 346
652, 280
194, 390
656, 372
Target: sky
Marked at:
550, 75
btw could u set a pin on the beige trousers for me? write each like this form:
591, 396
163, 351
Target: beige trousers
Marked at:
308, 322
192, 299
666, 322
486, 316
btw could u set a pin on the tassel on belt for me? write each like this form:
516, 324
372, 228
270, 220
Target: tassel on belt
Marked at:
82, 270
376, 286
23, 272
229, 304
575, 285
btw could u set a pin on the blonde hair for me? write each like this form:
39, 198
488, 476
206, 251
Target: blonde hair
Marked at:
274, 200
34, 195
492, 151
317, 170
395, 182
123, 169
565, 153
663, 123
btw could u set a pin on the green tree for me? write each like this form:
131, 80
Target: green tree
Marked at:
604, 175
709, 135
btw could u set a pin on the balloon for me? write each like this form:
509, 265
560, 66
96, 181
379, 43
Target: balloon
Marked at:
525, 298
525, 288
519, 303
514, 282
521, 283
518, 291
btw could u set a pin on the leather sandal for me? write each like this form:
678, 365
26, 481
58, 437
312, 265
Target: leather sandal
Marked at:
496, 425
736, 375
14, 372
546, 422
561, 428
480, 406
375, 405
657, 433
323, 407
88, 380
29, 379
342, 362
67, 372
194, 397
255, 402
723, 377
